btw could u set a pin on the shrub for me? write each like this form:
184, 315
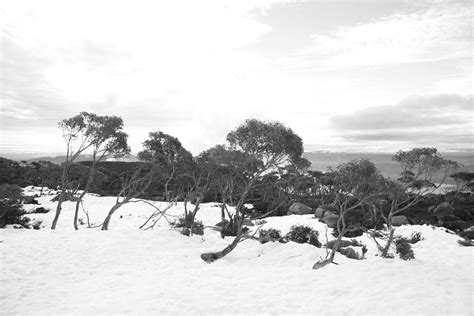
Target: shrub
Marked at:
415, 237
304, 234
403, 249
188, 224
41, 210
36, 225
271, 234
11, 210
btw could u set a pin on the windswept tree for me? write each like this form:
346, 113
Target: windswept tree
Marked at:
133, 186
169, 154
268, 146
423, 171
79, 137
108, 140
355, 185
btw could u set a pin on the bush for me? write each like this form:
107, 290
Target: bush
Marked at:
415, 237
403, 249
271, 234
188, 224
304, 234
41, 210
11, 210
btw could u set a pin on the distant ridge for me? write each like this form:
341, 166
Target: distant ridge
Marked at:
321, 160
60, 159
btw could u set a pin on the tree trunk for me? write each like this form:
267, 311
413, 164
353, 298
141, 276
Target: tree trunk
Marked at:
76, 212
105, 225
389, 241
86, 189
61, 195
213, 256
330, 258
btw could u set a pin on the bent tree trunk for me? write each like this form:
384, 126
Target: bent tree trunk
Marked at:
330, 258
390, 238
58, 209
213, 256
105, 225
81, 197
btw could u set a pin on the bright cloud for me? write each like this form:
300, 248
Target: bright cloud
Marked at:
441, 31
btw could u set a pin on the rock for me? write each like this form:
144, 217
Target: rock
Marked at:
343, 243
468, 233
321, 210
349, 252
319, 213
456, 225
354, 232
30, 199
299, 209
41, 210
330, 219
400, 220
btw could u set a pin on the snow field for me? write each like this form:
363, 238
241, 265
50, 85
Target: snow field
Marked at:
131, 271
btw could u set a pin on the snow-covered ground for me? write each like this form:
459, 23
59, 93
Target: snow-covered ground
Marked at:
130, 271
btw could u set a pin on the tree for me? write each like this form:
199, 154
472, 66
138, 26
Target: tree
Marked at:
168, 152
11, 210
79, 137
133, 186
107, 139
423, 171
267, 146
355, 184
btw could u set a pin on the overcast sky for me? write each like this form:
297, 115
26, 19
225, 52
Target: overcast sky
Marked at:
345, 75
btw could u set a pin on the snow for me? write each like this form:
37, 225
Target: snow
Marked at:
130, 271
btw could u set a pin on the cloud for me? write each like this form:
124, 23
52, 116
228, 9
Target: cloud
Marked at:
416, 111
434, 31
442, 120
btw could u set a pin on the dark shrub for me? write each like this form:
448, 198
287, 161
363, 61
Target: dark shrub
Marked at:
188, 224
271, 234
41, 210
404, 249
11, 210
303, 234
415, 237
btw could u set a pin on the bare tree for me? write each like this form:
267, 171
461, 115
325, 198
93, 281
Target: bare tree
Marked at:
132, 188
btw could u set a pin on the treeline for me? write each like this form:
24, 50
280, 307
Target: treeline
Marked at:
261, 165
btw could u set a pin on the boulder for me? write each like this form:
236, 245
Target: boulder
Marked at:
400, 220
342, 244
319, 213
468, 233
330, 219
299, 209
30, 199
349, 252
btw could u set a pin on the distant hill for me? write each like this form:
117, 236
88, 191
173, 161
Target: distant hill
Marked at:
60, 159
321, 160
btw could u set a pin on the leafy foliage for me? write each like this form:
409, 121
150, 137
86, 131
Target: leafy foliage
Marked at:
11, 210
404, 249
271, 234
303, 234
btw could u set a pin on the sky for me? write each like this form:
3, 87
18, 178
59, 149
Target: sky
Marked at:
353, 76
